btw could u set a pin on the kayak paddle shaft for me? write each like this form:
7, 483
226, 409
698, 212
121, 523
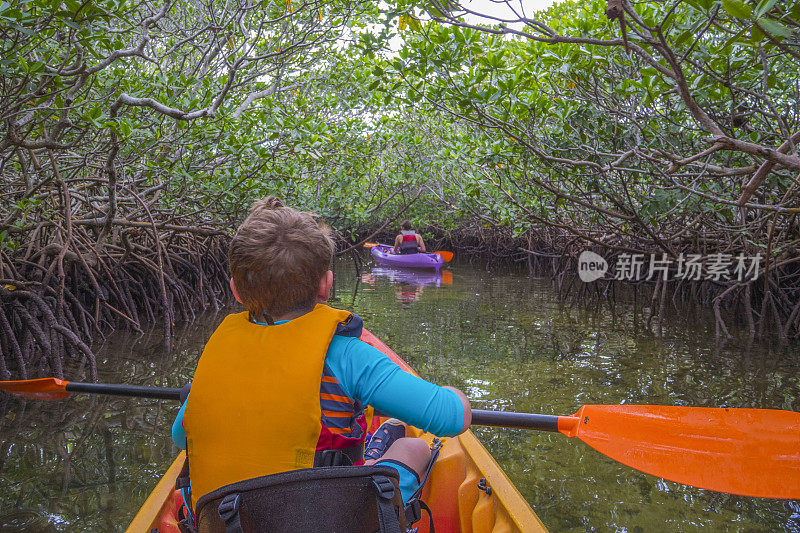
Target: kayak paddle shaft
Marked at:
752, 452
505, 419
159, 393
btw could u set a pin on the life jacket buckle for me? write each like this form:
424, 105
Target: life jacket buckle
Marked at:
384, 486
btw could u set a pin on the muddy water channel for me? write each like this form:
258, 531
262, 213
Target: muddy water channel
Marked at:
87, 464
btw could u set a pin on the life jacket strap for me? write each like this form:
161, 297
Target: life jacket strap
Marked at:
387, 517
182, 481
228, 511
409, 246
184, 486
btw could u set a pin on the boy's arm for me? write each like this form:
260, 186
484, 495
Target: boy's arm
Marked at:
466, 405
421, 243
368, 375
397, 242
178, 433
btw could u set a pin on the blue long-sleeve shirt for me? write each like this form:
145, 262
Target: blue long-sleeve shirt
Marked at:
366, 374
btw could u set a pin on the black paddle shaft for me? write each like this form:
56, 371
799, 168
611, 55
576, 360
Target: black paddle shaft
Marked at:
509, 419
480, 417
159, 393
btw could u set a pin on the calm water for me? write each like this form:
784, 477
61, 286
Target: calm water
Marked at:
88, 463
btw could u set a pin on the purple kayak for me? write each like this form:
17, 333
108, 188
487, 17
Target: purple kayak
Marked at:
385, 255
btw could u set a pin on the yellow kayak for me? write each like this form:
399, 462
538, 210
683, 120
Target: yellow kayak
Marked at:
467, 491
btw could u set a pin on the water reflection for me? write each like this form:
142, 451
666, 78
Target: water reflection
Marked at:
70, 464
87, 464
408, 284
507, 340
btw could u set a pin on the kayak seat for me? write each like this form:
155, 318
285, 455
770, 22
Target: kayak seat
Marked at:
355, 499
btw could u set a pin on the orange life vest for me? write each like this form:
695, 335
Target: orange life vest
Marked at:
255, 409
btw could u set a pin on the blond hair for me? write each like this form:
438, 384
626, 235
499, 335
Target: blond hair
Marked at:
277, 259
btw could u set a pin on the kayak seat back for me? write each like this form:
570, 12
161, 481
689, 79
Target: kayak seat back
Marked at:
353, 499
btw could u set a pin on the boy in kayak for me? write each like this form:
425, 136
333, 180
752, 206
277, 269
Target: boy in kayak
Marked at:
288, 379
409, 241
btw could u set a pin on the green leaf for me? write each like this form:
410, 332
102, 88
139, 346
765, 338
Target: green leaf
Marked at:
765, 6
125, 127
737, 8
685, 37
774, 28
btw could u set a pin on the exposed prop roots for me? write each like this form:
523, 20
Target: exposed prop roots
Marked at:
57, 293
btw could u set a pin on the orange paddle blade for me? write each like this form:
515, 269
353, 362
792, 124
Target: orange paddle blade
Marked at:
370, 244
751, 452
447, 256
38, 389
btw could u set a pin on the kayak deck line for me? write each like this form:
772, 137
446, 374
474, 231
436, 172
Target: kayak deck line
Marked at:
160, 509
467, 490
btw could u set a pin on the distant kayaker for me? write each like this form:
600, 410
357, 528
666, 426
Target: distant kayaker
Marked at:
284, 385
408, 241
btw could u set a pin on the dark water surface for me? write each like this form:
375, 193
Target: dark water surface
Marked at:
88, 463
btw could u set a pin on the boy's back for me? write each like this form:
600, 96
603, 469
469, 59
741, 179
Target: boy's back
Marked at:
239, 422
288, 378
